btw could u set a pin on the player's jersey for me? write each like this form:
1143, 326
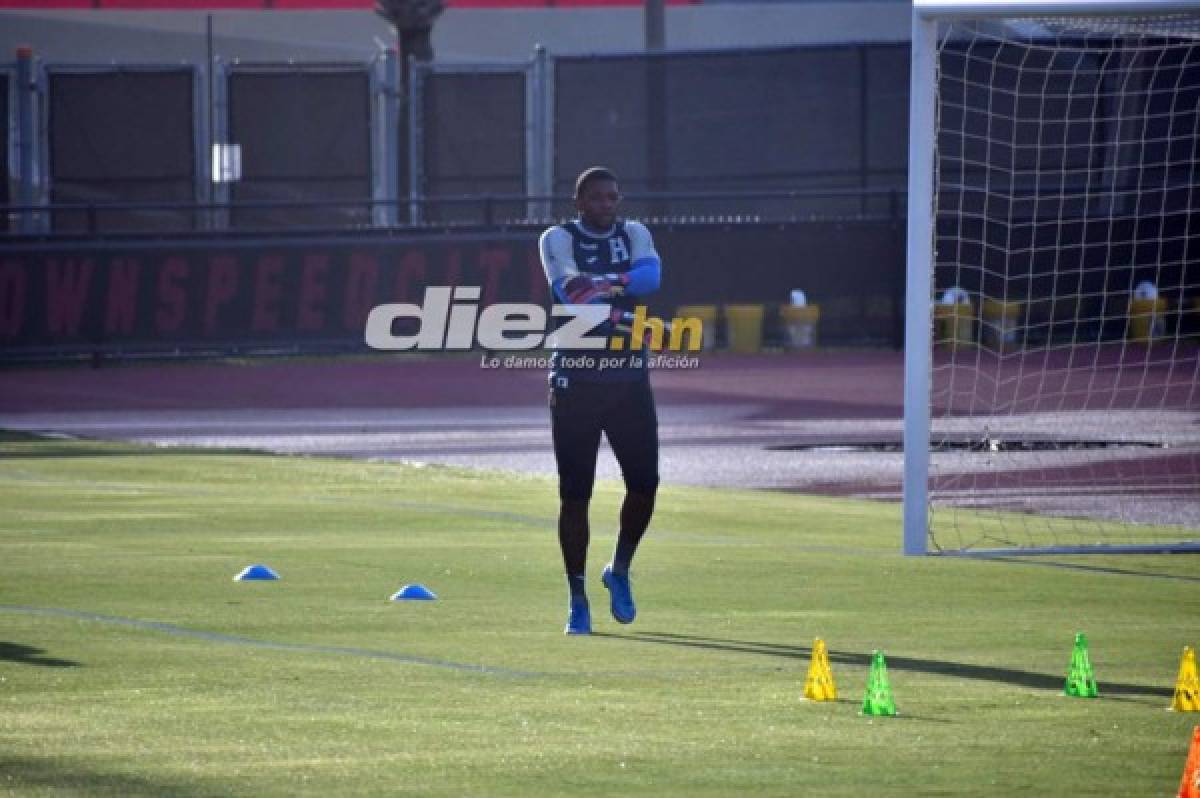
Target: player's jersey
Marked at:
568, 249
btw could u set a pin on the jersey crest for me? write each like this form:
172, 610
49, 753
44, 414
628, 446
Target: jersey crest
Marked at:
601, 255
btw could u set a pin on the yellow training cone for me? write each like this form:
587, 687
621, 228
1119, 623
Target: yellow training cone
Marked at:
1187, 686
819, 686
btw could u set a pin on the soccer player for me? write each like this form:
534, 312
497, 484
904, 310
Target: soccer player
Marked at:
599, 258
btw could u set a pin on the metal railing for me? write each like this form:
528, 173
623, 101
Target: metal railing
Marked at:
103, 219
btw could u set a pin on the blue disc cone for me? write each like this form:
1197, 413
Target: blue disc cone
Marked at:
413, 592
253, 573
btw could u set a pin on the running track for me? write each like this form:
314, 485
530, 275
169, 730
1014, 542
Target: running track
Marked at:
734, 421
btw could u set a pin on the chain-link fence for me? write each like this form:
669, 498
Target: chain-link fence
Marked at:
820, 121
747, 135
117, 138
470, 127
304, 134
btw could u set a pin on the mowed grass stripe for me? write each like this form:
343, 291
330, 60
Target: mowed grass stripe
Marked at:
215, 637
701, 697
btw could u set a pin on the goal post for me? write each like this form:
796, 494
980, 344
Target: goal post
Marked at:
1054, 245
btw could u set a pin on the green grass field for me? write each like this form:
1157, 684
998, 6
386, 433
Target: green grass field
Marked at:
132, 664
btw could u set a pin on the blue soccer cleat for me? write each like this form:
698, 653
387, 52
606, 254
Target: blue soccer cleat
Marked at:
579, 622
623, 608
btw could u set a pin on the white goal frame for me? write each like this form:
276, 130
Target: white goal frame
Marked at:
918, 337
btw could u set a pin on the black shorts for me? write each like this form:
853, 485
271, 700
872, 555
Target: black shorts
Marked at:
624, 411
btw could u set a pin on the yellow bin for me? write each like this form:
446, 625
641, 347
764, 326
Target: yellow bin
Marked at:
954, 325
1001, 326
800, 322
1147, 319
707, 316
743, 324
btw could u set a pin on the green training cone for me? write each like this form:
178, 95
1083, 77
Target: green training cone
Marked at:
878, 700
1081, 680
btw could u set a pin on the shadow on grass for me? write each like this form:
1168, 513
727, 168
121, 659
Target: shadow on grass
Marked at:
28, 655
73, 778
1104, 569
961, 670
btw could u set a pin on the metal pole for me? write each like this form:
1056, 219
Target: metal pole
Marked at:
218, 133
864, 111
548, 127
208, 41
415, 172
391, 135
538, 138
26, 139
529, 132
985, 9
223, 191
918, 343
655, 26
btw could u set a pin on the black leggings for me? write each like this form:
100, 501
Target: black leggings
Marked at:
624, 412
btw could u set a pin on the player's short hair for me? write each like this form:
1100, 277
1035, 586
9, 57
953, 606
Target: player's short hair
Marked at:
590, 174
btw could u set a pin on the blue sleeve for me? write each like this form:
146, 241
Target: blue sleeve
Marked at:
556, 287
644, 276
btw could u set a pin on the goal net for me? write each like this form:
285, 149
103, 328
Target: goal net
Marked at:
1052, 398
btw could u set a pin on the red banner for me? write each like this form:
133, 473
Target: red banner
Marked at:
244, 294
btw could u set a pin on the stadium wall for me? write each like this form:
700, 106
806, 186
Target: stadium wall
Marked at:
314, 293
